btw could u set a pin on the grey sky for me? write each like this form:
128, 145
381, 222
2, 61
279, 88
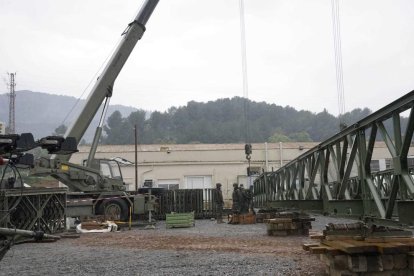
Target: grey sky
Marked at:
191, 50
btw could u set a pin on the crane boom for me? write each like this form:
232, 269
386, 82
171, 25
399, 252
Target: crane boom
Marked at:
96, 188
103, 86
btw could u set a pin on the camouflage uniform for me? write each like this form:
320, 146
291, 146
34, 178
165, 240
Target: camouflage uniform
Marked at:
236, 196
244, 204
219, 203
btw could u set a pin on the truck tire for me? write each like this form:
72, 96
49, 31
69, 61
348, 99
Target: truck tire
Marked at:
114, 209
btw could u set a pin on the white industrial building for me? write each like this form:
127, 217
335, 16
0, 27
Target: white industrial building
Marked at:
202, 165
2, 128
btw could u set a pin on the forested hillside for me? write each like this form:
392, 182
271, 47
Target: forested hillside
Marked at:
224, 121
41, 113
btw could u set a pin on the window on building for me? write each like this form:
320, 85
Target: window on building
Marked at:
410, 161
375, 167
247, 181
254, 170
198, 182
388, 163
169, 184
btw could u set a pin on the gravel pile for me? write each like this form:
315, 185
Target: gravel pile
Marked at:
206, 249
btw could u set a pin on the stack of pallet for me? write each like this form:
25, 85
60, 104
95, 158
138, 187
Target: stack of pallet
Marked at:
178, 220
261, 217
249, 218
373, 253
289, 223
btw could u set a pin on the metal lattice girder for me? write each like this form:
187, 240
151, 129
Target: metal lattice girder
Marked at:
337, 172
33, 209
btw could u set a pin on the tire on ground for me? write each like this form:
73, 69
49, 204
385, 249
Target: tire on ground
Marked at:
114, 209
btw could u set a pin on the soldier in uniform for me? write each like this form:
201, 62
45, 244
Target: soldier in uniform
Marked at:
244, 207
219, 203
236, 196
249, 196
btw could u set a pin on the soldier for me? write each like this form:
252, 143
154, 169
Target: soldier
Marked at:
236, 199
249, 196
244, 207
219, 203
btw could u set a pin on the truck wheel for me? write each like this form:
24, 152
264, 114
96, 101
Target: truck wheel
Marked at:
114, 209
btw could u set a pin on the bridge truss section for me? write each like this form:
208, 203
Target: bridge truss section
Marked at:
336, 177
34, 209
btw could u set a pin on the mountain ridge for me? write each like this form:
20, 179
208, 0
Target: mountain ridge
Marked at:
55, 110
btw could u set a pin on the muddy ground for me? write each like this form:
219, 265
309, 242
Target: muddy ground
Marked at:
206, 249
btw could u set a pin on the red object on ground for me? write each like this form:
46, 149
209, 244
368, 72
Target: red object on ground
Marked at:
1, 161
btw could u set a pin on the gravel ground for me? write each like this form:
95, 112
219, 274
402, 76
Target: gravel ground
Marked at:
206, 249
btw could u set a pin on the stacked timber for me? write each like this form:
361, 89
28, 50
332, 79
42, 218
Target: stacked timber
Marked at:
379, 251
289, 223
248, 218
263, 216
178, 220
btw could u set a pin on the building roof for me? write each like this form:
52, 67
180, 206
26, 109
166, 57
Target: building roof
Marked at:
205, 147
197, 147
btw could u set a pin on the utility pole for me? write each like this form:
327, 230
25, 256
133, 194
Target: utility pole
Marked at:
136, 157
11, 128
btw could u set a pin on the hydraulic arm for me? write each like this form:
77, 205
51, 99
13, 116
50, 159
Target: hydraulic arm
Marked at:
104, 85
99, 175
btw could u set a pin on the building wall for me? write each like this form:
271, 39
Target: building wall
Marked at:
185, 164
2, 128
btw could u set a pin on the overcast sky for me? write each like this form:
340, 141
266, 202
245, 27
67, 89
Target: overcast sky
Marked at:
191, 50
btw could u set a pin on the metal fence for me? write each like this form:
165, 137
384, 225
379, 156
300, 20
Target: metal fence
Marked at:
199, 201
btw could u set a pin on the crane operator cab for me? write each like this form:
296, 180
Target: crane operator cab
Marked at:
110, 169
98, 175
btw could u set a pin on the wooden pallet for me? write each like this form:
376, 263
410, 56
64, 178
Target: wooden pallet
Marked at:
242, 218
285, 226
373, 256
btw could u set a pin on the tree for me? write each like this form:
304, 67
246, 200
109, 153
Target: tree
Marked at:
278, 136
301, 136
234, 120
60, 130
116, 131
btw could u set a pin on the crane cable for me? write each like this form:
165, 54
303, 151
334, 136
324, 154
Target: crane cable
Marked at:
94, 78
248, 146
336, 29
244, 67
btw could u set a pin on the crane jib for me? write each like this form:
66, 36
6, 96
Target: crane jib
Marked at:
130, 25
100, 91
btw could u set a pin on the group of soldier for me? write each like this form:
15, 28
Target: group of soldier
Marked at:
242, 200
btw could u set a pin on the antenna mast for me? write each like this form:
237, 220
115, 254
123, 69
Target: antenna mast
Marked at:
11, 128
